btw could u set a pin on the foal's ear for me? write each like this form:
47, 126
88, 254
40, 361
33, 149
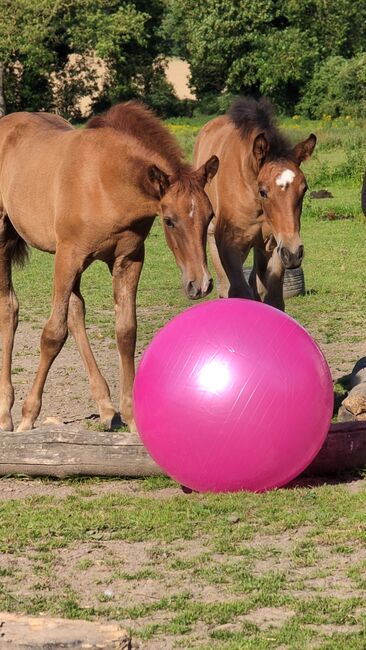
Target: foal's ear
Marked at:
260, 149
207, 171
159, 180
303, 150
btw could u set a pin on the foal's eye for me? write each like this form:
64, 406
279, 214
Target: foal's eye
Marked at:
263, 193
169, 222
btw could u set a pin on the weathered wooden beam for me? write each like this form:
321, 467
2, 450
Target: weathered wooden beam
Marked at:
344, 450
62, 451
66, 451
42, 633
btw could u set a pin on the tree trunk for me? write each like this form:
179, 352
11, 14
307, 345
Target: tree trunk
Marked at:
2, 98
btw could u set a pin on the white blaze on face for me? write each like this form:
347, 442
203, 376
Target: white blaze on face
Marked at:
193, 205
285, 178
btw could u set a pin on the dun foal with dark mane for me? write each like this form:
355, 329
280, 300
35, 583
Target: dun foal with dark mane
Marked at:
257, 199
92, 194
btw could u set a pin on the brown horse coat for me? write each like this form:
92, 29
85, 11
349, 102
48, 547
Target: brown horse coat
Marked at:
87, 194
257, 199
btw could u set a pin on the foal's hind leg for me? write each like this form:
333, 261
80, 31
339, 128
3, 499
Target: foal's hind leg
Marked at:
68, 266
98, 385
8, 325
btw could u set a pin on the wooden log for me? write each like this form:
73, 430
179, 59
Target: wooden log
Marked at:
344, 450
63, 451
42, 633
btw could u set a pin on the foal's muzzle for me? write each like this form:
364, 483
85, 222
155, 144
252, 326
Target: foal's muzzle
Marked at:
196, 290
289, 259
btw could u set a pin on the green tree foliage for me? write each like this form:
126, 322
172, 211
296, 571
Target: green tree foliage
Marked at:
37, 38
262, 46
338, 87
292, 51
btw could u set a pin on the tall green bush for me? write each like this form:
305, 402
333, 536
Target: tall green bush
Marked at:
261, 47
338, 87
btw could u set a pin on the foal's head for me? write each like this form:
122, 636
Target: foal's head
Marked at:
186, 212
282, 186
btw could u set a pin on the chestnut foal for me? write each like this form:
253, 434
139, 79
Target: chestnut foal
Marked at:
93, 194
257, 198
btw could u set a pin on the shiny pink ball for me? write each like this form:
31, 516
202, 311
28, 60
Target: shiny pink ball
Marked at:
233, 395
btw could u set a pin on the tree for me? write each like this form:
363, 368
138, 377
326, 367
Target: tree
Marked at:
37, 39
338, 87
263, 46
220, 34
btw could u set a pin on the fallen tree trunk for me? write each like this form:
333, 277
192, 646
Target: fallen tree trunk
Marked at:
42, 633
62, 451
344, 450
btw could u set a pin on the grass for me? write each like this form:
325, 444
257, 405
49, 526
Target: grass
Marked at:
205, 571
46, 524
240, 563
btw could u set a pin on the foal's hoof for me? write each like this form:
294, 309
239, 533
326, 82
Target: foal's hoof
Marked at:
132, 426
25, 425
111, 420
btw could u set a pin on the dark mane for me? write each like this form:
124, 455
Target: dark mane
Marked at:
139, 121
249, 114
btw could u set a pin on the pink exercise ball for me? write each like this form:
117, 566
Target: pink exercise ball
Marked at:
233, 395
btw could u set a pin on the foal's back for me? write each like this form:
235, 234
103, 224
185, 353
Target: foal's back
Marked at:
229, 192
54, 178
33, 147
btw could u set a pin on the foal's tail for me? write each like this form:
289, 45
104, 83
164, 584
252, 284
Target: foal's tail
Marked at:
19, 250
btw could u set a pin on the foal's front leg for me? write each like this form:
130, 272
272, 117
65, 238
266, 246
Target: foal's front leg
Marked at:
222, 282
270, 274
126, 273
232, 259
68, 265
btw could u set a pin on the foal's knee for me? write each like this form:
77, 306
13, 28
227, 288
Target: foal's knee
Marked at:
53, 337
126, 337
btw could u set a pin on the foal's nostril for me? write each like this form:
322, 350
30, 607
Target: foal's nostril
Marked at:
192, 290
291, 260
285, 255
210, 286
196, 290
